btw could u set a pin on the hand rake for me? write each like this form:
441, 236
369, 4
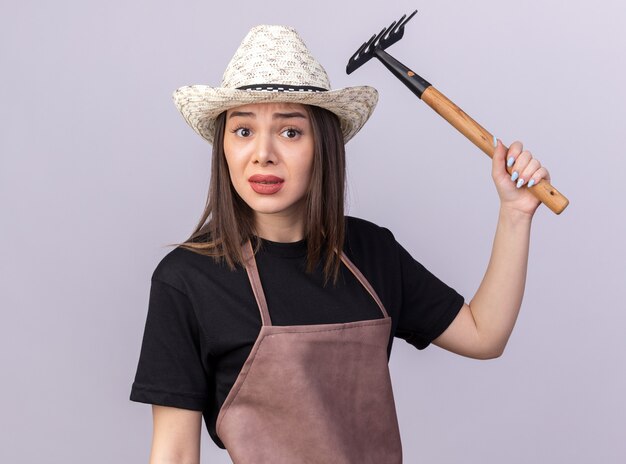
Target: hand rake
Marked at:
375, 47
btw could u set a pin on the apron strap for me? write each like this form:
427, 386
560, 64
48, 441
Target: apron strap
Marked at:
259, 295
255, 281
361, 278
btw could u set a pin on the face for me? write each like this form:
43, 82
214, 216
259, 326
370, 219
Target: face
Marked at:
269, 152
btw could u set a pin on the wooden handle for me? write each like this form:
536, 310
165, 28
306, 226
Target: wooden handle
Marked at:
544, 192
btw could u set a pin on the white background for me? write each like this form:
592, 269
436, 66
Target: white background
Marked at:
99, 172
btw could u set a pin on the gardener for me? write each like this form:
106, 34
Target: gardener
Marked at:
275, 318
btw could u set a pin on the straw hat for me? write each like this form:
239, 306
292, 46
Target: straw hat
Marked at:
272, 64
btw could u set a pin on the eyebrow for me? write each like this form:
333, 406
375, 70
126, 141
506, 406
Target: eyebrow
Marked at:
295, 114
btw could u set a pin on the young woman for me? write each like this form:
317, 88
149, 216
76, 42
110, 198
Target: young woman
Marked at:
275, 319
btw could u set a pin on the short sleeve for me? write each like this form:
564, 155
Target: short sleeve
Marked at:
428, 304
170, 371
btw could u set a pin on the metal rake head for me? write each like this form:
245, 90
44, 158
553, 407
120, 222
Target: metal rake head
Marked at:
388, 36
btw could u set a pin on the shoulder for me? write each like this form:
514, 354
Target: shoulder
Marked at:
359, 228
363, 236
179, 266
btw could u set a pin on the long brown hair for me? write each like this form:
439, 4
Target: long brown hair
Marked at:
227, 221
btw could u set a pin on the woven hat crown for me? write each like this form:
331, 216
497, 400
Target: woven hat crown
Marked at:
272, 64
274, 55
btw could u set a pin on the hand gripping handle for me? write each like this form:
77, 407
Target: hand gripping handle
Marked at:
481, 137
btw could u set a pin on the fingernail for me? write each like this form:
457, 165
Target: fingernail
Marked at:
514, 176
520, 183
495, 141
510, 162
531, 183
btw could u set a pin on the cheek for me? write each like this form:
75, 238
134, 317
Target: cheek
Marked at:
303, 156
232, 157
308, 169
234, 173
308, 165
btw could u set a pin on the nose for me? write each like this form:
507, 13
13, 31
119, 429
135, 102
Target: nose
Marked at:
264, 152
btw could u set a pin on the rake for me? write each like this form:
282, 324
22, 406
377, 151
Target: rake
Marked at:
483, 139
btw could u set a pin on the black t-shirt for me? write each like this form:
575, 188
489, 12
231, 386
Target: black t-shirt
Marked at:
203, 319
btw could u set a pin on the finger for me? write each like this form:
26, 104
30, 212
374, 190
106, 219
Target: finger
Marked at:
541, 174
514, 151
497, 164
530, 169
518, 167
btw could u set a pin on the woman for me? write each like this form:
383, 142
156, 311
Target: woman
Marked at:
275, 319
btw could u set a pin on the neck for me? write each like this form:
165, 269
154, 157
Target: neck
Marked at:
278, 228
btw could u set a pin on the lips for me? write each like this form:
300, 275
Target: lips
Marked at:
265, 184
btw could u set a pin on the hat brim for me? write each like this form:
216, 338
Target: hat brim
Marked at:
200, 104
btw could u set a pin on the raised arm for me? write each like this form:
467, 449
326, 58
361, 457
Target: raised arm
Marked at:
482, 329
176, 435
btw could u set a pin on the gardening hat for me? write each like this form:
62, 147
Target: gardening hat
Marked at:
273, 64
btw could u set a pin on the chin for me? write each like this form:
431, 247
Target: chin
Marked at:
269, 209
272, 206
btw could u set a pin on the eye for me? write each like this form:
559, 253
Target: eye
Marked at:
291, 132
241, 131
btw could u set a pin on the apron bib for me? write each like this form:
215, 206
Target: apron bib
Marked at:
313, 394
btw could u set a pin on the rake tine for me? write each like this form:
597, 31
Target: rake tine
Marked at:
385, 38
377, 40
407, 19
361, 48
367, 44
398, 26
389, 31
400, 21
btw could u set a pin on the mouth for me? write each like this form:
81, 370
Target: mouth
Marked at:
266, 184
265, 179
